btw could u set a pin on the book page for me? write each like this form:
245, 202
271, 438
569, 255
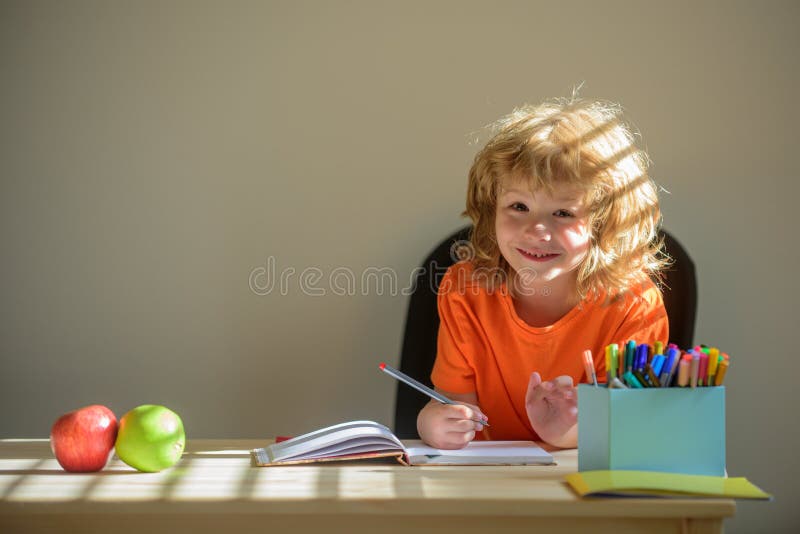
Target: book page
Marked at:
480, 453
335, 440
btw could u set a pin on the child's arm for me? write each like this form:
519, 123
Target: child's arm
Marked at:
450, 426
552, 408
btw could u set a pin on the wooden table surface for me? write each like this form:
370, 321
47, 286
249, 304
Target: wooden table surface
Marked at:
214, 489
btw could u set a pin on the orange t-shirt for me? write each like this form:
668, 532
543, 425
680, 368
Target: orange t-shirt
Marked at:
484, 347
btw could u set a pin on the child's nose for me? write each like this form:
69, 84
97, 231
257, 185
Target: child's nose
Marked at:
539, 230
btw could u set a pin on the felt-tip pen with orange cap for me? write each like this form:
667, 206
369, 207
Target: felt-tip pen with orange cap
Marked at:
588, 366
684, 370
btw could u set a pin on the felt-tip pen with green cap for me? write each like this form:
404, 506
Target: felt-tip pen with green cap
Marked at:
630, 355
631, 380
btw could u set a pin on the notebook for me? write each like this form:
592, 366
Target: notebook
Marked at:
362, 440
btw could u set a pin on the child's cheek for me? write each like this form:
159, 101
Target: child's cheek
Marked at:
578, 236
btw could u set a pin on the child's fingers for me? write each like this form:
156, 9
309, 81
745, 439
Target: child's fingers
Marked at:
467, 425
468, 412
563, 395
559, 389
534, 392
563, 381
565, 401
569, 413
459, 425
460, 439
459, 411
534, 380
463, 425
561, 385
549, 390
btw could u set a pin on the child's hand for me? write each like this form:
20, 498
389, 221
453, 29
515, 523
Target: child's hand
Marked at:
449, 426
552, 408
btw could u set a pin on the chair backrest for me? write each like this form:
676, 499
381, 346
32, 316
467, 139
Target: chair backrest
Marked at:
422, 320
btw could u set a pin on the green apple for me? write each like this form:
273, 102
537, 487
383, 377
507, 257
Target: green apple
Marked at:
150, 438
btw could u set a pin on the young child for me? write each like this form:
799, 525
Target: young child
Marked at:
564, 244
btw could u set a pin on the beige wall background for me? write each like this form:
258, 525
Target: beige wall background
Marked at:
155, 154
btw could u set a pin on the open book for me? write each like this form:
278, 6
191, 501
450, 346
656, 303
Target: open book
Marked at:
358, 440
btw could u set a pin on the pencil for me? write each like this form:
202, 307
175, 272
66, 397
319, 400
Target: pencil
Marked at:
419, 386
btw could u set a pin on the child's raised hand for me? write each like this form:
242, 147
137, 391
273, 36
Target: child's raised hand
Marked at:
449, 426
552, 408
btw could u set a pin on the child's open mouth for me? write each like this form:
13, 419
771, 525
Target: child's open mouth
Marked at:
537, 256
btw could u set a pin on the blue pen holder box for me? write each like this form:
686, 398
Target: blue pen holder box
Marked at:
676, 430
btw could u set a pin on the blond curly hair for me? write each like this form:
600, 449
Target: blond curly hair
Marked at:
584, 145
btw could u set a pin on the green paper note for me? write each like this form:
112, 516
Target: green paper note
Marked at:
652, 483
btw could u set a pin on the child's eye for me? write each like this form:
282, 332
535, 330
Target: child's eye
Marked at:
519, 206
563, 213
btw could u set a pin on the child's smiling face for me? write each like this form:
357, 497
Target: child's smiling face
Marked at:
541, 233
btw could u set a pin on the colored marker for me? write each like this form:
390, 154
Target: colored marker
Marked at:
694, 369
588, 365
651, 374
641, 378
419, 386
713, 360
609, 366
721, 371
630, 355
702, 373
683, 370
658, 364
615, 360
641, 358
658, 347
668, 371
641, 355
631, 380
616, 383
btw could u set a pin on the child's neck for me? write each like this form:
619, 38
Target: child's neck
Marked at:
544, 303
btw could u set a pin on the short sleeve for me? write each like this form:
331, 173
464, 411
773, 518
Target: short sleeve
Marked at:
646, 318
453, 370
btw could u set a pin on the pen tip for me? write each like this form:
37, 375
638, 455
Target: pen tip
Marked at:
382, 366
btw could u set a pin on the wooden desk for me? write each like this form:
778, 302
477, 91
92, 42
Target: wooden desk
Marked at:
214, 489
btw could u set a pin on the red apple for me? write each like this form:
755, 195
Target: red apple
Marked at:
83, 439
